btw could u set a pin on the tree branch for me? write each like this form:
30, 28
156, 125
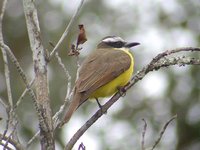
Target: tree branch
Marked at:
20, 71
158, 62
68, 77
5, 59
13, 58
4, 55
23, 94
143, 134
3, 103
12, 115
163, 131
10, 141
62, 108
41, 82
67, 29
59, 42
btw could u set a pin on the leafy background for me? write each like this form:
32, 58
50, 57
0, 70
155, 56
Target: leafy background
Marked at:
158, 26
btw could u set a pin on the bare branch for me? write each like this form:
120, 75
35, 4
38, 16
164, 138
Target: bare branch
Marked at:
23, 94
2, 13
10, 141
24, 78
67, 29
169, 52
81, 147
57, 45
73, 52
5, 59
12, 116
41, 82
63, 35
7, 77
163, 131
62, 108
7, 123
151, 66
3, 103
19, 70
143, 134
12, 134
32, 139
68, 77
52, 53
5, 146
155, 64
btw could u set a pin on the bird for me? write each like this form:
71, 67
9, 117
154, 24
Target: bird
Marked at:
106, 69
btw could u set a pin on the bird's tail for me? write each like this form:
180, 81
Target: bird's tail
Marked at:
72, 107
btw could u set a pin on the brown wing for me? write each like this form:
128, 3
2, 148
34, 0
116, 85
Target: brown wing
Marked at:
99, 69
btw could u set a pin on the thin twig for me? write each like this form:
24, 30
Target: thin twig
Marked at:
14, 125
5, 146
7, 123
19, 70
56, 47
2, 12
7, 77
67, 29
5, 59
139, 75
55, 118
150, 67
11, 141
13, 133
163, 131
32, 139
81, 147
68, 93
169, 52
67, 97
67, 101
3, 103
12, 115
52, 53
68, 77
24, 78
23, 94
143, 134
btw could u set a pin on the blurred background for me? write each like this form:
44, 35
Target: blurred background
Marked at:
158, 26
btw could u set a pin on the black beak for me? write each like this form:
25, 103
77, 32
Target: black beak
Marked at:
129, 45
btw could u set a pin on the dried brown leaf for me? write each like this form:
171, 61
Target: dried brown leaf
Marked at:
82, 35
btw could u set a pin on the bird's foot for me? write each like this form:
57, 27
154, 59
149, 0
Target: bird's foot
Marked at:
100, 106
122, 91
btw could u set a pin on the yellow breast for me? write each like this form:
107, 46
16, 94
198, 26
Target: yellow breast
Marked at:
111, 87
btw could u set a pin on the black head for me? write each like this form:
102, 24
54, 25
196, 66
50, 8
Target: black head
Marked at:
115, 42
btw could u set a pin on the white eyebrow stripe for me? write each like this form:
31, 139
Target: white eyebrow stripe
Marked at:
113, 39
